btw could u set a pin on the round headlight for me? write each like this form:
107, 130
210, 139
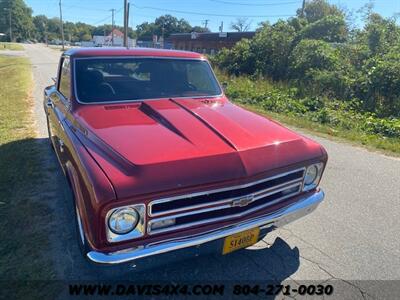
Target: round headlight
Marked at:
311, 175
123, 220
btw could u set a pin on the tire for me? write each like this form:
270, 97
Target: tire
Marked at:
80, 234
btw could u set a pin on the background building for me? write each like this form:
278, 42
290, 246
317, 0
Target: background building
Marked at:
107, 41
208, 43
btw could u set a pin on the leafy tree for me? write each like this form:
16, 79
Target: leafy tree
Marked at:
380, 34
199, 29
238, 60
311, 55
380, 85
21, 19
272, 46
40, 22
329, 29
317, 9
165, 26
145, 31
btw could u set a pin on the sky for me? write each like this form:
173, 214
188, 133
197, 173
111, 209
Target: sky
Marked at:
97, 12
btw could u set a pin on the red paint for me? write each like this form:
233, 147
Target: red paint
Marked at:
136, 152
90, 52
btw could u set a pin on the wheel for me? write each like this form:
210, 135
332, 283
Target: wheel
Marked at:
80, 234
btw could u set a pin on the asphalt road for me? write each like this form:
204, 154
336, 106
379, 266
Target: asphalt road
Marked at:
353, 235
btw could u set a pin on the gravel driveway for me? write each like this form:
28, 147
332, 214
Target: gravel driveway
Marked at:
353, 235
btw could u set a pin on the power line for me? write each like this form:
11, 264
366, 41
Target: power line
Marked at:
106, 18
208, 14
255, 4
102, 20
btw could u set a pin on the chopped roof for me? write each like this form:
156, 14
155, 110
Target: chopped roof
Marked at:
117, 51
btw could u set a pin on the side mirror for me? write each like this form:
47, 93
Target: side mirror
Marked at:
224, 86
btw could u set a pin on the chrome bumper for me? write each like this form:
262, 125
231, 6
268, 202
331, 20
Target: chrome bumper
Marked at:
277, 219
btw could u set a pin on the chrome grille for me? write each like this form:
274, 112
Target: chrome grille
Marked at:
223, 204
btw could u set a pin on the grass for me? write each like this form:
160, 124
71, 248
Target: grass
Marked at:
276, 101
24, 215
389, 146
59, 48
11, 46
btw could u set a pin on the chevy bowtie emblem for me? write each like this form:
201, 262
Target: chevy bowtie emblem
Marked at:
246, 200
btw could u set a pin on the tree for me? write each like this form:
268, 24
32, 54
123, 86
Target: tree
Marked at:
41, 23
241, 25
145, 31
317, 9
167, 24
164, 26
380, 34
380, 83
311, 55
272, 46
199, 29
331, 29
239, 59
21, 19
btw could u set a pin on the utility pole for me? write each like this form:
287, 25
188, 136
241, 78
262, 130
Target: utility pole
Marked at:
205, 22
45, 33
303, 7
126, 23
10, 21
9, 16
221, 28
62, 27
112, 26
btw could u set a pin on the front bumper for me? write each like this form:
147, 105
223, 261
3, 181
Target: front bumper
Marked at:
277, 219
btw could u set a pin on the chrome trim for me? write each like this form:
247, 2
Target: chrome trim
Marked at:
49, 103
309, 187
273, 220
142, 100
228, 217
81, 233
139, 230
241, 186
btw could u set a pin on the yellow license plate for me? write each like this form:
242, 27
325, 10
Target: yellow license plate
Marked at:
240, 240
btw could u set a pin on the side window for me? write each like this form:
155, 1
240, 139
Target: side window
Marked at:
196, 76
64, 86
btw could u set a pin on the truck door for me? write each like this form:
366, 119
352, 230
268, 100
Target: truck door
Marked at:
58, 105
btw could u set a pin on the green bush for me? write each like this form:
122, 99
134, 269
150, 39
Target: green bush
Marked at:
382, 83
316, 56
239, 60
329, 29
335, 113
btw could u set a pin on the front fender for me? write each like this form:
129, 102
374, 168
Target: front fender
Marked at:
90, 186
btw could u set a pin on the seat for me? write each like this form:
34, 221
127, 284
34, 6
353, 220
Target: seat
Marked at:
93, 87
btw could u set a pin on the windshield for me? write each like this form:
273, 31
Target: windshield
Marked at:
122, 79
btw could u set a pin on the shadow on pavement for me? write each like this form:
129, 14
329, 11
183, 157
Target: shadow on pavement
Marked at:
262, 262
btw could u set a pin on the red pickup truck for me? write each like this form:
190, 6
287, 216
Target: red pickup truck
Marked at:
159, 159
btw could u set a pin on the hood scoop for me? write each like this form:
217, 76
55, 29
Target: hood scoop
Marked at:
157, 117
207, 124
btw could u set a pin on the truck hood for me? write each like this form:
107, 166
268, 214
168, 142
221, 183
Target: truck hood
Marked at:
169, 144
